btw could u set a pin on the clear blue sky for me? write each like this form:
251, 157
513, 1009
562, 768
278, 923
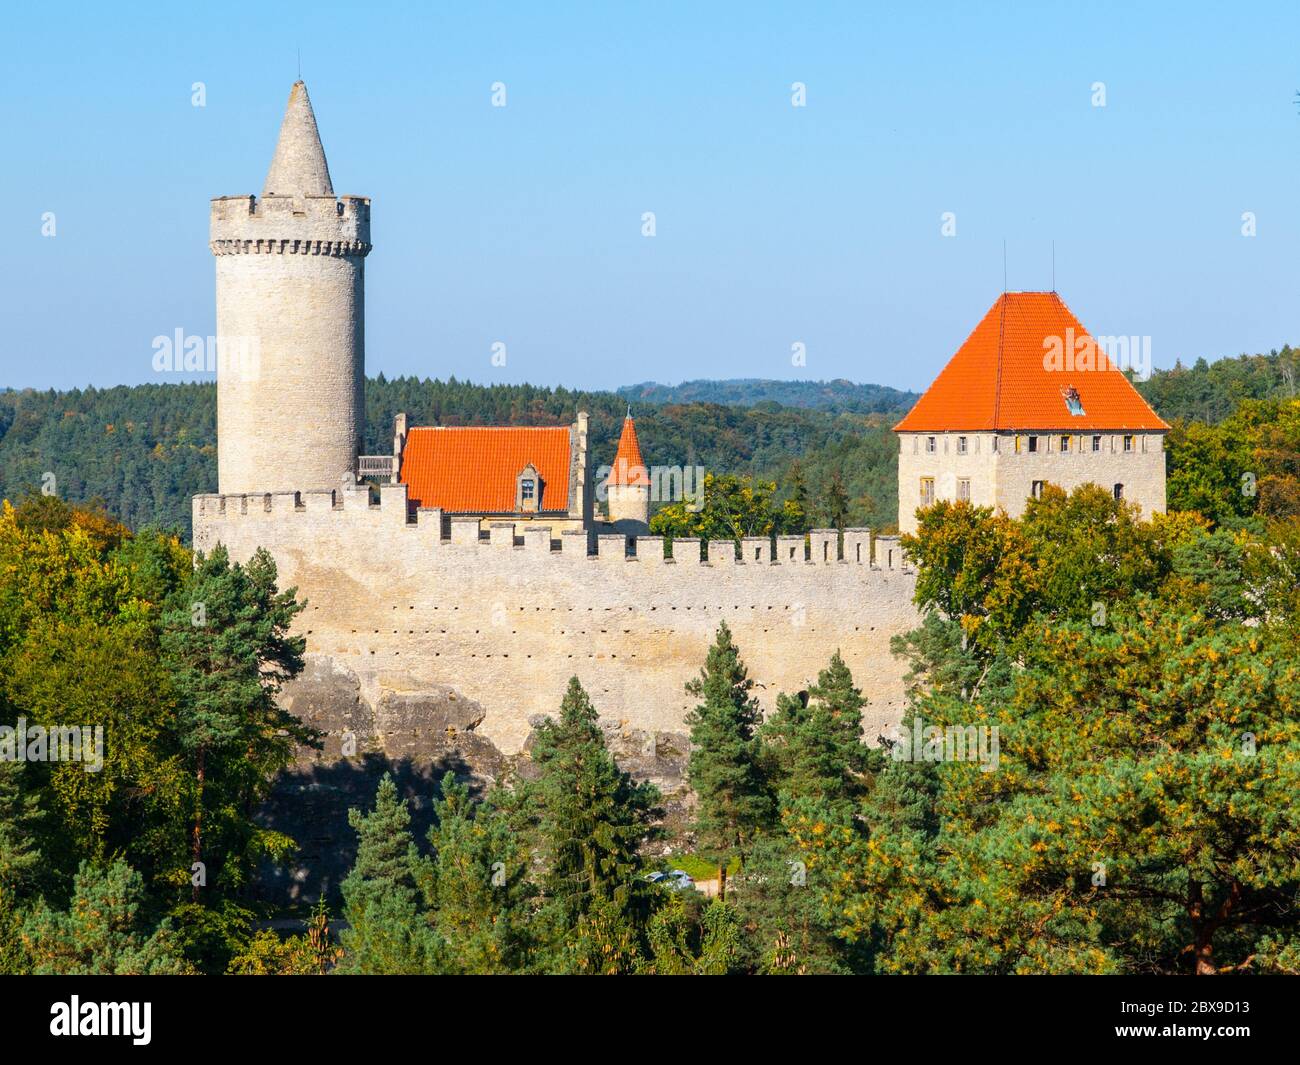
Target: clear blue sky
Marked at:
775, 224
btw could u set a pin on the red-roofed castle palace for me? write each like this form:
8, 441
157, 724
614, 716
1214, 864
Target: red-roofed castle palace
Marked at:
1029, 399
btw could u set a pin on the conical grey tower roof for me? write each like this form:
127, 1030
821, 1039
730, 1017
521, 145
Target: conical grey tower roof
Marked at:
298, 168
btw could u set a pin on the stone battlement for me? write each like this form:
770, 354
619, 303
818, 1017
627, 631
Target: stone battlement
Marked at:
290, 224
436, 530
503, 613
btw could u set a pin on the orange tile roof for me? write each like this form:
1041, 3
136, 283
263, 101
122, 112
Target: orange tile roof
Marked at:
1009, 375
629, 466
473, 469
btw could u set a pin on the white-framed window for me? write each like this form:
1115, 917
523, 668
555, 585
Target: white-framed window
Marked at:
963, 489
927, 491
930, 446
1096, 443
961, 445
1128, 446
527, 490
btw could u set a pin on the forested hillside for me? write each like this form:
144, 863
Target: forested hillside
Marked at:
1210, 391
838, 395
144, 451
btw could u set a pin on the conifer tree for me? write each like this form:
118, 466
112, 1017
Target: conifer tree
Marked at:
814, 745
693, 936
388, 932
593, 819
724, 771
103, 932
226, 641
20, 820
480, 890
837, 501
20, 861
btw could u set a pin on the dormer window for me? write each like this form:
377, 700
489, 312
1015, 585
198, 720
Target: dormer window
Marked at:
528, 489
1072, 401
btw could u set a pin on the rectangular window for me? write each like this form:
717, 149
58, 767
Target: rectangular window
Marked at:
1033, 444
1017, 444
1128, 446
927, 491
1065, 444
995, 443
1036, 490
527, 489
1096, 443
961, 445
929, 445
1119, 491
963, 489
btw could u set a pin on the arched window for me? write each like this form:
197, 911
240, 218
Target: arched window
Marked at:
1119, 491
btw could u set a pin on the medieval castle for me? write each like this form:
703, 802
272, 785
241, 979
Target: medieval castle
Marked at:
481, 574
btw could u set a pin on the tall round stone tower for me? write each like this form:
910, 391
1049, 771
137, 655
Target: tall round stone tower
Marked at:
290, 321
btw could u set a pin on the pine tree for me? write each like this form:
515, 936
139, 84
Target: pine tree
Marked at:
593, 819
226, 640
480, 889
103, 932
724, 771
837, 502
20, 819
20, 861
693, 936
388, 931
814, 745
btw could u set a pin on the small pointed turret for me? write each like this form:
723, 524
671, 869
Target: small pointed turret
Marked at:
629, 466
628, 486
298, 168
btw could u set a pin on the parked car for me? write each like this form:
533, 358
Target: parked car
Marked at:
677, 879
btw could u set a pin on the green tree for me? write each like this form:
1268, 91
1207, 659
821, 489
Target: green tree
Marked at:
692, 936
388, 931
593, 819
227, 644
724, 768
103, 932
480, 891
814, 743
836, 506
732, 507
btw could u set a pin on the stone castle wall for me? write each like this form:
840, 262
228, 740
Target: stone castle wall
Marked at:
501, 616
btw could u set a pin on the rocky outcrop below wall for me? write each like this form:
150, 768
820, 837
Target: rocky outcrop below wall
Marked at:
376, 722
